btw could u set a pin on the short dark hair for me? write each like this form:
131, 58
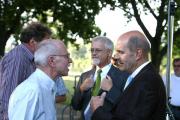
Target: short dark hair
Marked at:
35, 30
176, 60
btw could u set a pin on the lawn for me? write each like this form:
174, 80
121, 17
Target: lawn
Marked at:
70, 84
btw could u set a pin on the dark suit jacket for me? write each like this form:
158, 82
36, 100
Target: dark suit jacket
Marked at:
81, 100
143, 99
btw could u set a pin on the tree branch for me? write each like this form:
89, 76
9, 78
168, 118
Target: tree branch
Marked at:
161, 18
139, 21
16, 20
177, 33
163, 51
150, 9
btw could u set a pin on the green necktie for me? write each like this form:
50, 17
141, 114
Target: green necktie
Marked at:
97, 83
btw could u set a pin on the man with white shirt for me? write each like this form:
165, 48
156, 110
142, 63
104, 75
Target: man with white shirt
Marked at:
101, 53
18, 64
143, 96
34, 99
174, 89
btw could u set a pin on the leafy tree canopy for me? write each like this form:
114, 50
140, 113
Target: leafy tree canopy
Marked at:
75, 18
69, 18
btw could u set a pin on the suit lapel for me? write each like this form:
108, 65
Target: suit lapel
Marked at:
136, 78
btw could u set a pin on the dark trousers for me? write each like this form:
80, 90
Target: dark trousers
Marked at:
175, 111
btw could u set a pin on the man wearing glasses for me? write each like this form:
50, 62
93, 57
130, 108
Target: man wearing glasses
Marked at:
174, 89
18, 64
34, 98
101, 54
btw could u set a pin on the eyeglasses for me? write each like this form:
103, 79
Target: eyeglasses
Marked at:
67, 56
96, 50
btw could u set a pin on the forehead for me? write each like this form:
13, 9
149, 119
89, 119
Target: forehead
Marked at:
177, 62
120, 44
62, 48
97, 44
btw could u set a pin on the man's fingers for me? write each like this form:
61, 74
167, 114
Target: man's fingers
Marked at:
91, 77
108, 77
103, 95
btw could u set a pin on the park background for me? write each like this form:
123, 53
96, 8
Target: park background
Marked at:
77, 21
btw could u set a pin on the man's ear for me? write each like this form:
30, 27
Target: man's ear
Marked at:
32, 43
139, 53
110, 53
51, 61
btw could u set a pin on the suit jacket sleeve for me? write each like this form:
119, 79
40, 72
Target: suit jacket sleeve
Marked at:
101, 114
81, 99
111, 98
118, 78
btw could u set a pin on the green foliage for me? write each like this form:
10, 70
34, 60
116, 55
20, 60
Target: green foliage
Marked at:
69, 18
70, 86
81, 58
81, 62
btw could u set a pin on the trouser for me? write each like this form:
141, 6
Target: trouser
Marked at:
176, 111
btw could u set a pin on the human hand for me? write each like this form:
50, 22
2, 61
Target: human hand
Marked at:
97, 101
106, 83
87, 83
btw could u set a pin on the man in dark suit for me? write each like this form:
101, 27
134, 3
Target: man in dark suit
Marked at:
101, 52
144, 96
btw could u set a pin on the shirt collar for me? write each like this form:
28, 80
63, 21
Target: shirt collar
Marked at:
105, 70
139, 69
46, 81
29, 53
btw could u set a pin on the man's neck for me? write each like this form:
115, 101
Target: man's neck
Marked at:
28, 47
48, 71
103, 65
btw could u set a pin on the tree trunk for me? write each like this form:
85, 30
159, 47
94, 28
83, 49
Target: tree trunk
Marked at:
155, 55
3, 40
156, 60
2, 47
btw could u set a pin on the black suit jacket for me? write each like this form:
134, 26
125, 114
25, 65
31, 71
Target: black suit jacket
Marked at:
143, 99
81, 100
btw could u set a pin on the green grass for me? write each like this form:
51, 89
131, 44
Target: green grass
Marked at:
69, 82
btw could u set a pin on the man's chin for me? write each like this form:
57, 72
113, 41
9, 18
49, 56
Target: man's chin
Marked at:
65, 74
120, 67
95, 62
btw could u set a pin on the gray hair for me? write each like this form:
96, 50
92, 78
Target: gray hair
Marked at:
45, 49
107, 42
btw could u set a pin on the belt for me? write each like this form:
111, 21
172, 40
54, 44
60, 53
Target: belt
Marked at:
175, 107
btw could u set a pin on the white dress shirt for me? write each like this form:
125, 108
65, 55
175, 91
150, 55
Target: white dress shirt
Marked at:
104, 72
33, 99
133, 75
174, 89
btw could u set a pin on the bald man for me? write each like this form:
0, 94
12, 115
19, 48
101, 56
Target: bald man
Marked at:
144, 95
34, 98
